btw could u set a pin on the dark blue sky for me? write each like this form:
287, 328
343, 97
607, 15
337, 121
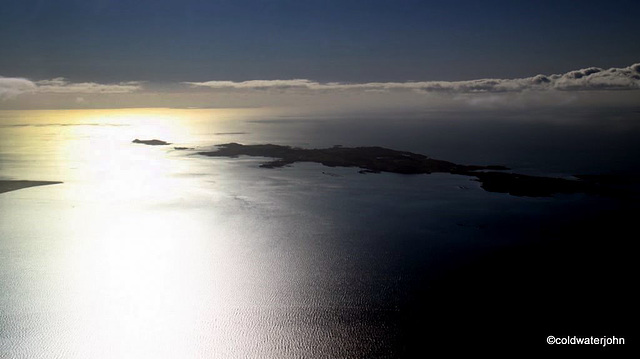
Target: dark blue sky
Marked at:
347, 41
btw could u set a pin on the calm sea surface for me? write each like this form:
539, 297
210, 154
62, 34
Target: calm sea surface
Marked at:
152, 252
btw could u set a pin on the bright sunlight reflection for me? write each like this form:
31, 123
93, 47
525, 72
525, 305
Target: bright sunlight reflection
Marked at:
142, 265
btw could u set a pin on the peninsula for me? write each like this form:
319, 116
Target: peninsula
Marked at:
7, 186
380, 159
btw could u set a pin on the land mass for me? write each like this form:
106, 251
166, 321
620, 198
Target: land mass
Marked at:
7, 186
151, 142
380, 159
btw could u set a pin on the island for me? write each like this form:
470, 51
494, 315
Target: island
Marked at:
152, 142
379, 159
7, 186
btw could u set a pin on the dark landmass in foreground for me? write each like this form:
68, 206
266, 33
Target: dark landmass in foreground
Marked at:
7, 186
379, 159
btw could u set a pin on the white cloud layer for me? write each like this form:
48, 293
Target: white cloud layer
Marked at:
61, 85
13, 86
593, 78
588, 87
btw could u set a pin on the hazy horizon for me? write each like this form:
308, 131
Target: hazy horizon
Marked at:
590, 87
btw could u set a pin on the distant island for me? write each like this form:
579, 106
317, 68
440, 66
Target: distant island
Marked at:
380, 159
151, 142
7, 186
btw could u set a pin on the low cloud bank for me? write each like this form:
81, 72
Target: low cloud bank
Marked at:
61, 85
13, 86
589, 87
589, 79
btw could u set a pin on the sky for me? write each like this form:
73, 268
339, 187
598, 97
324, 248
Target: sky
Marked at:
224, 53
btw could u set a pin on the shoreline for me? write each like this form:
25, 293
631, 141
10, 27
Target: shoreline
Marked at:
492, 178
14, 185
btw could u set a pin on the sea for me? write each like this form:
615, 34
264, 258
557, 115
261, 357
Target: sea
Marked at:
157, 252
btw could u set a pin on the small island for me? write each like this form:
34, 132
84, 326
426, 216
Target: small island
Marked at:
151, 142
7, 186
380, 159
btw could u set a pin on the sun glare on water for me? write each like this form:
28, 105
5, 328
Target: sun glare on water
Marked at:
135, 259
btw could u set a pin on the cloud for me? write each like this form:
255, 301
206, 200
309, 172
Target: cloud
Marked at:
585, 87
61, 85
594, 78
14, 86
258, 84
588, 79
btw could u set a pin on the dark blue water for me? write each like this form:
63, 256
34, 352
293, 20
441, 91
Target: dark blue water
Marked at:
151, 252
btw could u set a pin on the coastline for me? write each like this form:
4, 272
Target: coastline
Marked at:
380, 159
14, 185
